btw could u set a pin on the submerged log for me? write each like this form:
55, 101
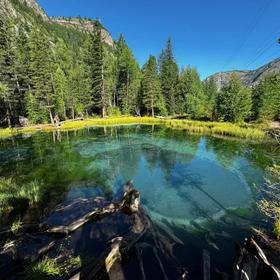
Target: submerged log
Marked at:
113, 261
251, 264
112, 232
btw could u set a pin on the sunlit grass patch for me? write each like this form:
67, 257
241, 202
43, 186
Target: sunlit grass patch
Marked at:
7, 132
49, 268
215, 128
108, 121
244, 131
218, 128
45, 269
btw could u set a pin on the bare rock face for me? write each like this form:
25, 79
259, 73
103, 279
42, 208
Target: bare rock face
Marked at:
7, 9
84, 25
35, 7
249, 78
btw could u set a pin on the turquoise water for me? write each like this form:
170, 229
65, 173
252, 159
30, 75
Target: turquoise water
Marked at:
203, 189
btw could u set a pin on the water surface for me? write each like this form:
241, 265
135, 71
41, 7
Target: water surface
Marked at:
203, 189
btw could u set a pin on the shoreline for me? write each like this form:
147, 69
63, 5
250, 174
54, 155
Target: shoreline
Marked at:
229, 130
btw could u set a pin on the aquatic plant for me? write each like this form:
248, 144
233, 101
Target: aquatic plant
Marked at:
45, 269
10, 192
16, 226
31, 191
75, 261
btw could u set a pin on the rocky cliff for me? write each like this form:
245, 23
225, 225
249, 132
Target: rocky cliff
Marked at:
84, 25
248, 78
35, 7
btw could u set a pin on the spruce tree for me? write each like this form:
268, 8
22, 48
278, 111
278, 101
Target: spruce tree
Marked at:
151, 86
169, 73
5, 105
79, 89
128, 78
97, 72
8, 71
41, 75
60, 92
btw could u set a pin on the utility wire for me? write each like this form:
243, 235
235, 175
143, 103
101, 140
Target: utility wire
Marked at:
259, 15
259, 54
268, 44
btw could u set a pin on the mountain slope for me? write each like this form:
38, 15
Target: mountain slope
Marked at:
29, 10
248, 78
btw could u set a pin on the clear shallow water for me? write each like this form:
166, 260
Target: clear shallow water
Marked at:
200, 188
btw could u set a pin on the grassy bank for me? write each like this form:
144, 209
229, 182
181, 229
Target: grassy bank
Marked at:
209, 128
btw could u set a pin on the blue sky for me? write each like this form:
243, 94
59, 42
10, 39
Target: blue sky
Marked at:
211, 35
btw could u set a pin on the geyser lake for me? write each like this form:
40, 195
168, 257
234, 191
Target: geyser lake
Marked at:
202, 189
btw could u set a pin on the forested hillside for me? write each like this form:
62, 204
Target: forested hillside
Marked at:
71, 68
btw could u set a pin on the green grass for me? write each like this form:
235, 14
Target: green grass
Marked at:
45, 269
51, 269
245, 131
212, 128
10, 192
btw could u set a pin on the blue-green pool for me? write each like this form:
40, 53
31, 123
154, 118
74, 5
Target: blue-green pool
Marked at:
202, 189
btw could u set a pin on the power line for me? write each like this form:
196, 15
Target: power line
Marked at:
268, 44
259, 54
259, 15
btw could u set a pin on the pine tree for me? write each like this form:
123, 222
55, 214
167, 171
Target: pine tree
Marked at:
79, 89
60, 92
41, 74
97, 72
234, 102
128, 78
5, 102
8, 71
169, 73
151, 86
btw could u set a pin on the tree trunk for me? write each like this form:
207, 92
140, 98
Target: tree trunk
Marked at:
51, 117
127, 84
153, 112
73, 113
103, 109
8, 116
